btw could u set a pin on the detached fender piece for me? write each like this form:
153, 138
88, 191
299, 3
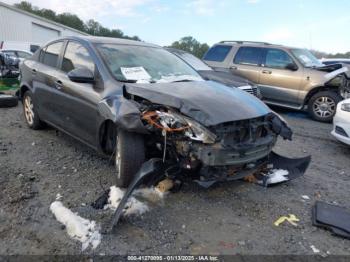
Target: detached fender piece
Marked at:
150, 169
125, 113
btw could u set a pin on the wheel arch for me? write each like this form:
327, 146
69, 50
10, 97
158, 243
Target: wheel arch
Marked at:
107, 136
317, 89
24, 88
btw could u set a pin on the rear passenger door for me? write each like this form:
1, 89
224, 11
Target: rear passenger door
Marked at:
277, 82
44, 82
247, 62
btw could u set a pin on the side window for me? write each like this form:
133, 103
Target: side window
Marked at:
248, 56
50, 55
277, 58
76, 56
23, 55
217, 53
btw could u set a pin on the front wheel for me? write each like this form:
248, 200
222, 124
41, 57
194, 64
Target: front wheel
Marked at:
129, 156
323, 105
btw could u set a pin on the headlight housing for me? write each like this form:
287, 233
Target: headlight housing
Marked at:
173, 122
345, 107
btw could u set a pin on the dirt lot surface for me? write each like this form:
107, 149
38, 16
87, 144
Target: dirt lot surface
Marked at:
228, 218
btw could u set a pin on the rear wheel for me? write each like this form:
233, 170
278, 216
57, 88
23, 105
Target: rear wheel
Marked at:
322, 105
30, 112
129, 156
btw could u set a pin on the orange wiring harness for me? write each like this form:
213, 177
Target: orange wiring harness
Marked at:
152, 116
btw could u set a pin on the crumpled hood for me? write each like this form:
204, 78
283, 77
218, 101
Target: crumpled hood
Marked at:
207, 102
334, 70
225, 78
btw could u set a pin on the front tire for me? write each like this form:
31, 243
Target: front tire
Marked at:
129, 156
30, 113
322, 106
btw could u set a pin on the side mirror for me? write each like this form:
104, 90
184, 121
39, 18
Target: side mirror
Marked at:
81, 75
292, 67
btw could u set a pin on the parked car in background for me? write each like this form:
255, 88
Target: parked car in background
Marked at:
341, 122
19, 45
288, 77
331, 61
134, 100
222, 77
20, 54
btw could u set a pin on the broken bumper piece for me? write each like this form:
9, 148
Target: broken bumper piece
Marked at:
274, 170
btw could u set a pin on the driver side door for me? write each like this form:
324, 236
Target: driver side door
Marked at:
78, 101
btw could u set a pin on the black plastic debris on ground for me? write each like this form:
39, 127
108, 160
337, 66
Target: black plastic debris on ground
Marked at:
332, 217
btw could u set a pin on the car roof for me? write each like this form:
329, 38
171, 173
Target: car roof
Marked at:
253, 44
107, 40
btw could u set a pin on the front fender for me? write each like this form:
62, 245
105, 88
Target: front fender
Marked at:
123, 112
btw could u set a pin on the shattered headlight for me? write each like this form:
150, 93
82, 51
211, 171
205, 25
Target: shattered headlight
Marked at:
345, 107
173, 122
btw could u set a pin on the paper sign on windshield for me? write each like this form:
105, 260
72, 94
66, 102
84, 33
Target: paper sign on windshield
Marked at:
135, 73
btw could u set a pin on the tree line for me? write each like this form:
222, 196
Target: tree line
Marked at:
91, 27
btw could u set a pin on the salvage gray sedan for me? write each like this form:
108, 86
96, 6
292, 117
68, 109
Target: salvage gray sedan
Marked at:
137, 101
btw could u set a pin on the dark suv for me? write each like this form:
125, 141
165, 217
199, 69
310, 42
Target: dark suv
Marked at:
137, 101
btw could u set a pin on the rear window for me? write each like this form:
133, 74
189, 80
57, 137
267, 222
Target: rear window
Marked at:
248, 56
217, 53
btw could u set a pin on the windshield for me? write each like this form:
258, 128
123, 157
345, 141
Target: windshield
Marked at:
142, 64
193, 61
306, 58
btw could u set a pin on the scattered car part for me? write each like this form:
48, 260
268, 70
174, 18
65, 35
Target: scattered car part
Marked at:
222, 77
331, 217
341, 122
288, 77
8, 101
165, 185
291, 219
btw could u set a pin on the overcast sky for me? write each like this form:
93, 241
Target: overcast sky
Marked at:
319, 24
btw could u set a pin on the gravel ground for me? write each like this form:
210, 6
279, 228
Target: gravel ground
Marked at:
229, 218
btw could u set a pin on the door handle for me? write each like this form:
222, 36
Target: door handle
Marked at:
267, 72
58, 84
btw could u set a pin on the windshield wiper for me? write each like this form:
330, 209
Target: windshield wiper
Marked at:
183, 80
127, 80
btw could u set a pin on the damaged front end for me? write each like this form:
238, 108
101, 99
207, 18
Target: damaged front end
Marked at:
227, 151
186, 140
337, 76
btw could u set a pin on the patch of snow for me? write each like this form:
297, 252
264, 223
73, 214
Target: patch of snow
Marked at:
277, 176
132, 207
78, 228
314, 249
305, 197
58, 196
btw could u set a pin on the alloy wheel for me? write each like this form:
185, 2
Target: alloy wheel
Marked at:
324, 106
29, 110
